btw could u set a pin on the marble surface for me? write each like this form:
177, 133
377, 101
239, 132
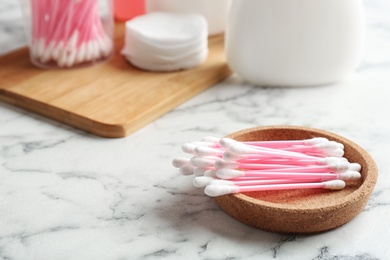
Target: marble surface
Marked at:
66, 194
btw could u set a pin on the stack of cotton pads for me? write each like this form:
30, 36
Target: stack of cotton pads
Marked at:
166, 42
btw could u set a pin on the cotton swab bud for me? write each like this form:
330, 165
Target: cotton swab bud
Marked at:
202, 181
233, 174
190, 147
211, 139
199, 171
210, 173
207, 151
203, 162
180, 162
186, 170
355, 167
215, 190
227, 142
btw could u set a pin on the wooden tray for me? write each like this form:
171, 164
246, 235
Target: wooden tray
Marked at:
110, 99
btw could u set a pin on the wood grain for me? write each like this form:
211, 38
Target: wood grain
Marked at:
110, 99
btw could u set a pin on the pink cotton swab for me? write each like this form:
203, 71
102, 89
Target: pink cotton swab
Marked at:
241, 149
215, 190
229, 156
232, 174
335, 167
227, 142
203, 181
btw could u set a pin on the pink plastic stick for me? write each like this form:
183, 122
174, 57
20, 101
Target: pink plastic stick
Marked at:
293, 175
252, 182
286, 168
289, 186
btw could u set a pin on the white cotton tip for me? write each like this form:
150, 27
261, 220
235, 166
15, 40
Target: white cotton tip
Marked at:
239, 148
206, 151
186, 170
338, 152
210, 173
211, 139
57, 50
226, 142
219, 190
198, 171
220, 164
188, 148
221, 182
202, 181
331, 160
355, 167
350, 175
180, 162
202, 162
328, 146
229, 156
337, 144
229, 174
339, 167
80, 56
334, 185
315, 140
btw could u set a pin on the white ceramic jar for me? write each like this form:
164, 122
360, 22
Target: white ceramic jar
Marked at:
294, 42
215, 11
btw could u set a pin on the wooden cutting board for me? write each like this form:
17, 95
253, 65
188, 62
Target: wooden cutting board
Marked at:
110, 99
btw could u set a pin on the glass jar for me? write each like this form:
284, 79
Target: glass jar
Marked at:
68, 33
294, 42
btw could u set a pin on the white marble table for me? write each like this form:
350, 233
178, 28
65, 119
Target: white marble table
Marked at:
65, 194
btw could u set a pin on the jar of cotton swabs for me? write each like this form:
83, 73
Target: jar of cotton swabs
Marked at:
68, 33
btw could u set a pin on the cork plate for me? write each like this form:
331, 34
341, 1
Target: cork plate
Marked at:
302, 211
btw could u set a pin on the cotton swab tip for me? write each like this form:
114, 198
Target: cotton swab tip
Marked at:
229, 156
202, 162
338, 152
188, 148
220, 164
331, 160
206, 151
229, 173
339, 167
315, 140
202, 181
226, 142
334, 185
239, 148
186, 170
180, 162
350, 175
355, 167
219, 190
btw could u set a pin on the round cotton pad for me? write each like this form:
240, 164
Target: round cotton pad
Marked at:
168, 28
166, 41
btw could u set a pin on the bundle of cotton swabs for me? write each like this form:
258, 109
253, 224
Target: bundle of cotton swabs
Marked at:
68, 32
223, 166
